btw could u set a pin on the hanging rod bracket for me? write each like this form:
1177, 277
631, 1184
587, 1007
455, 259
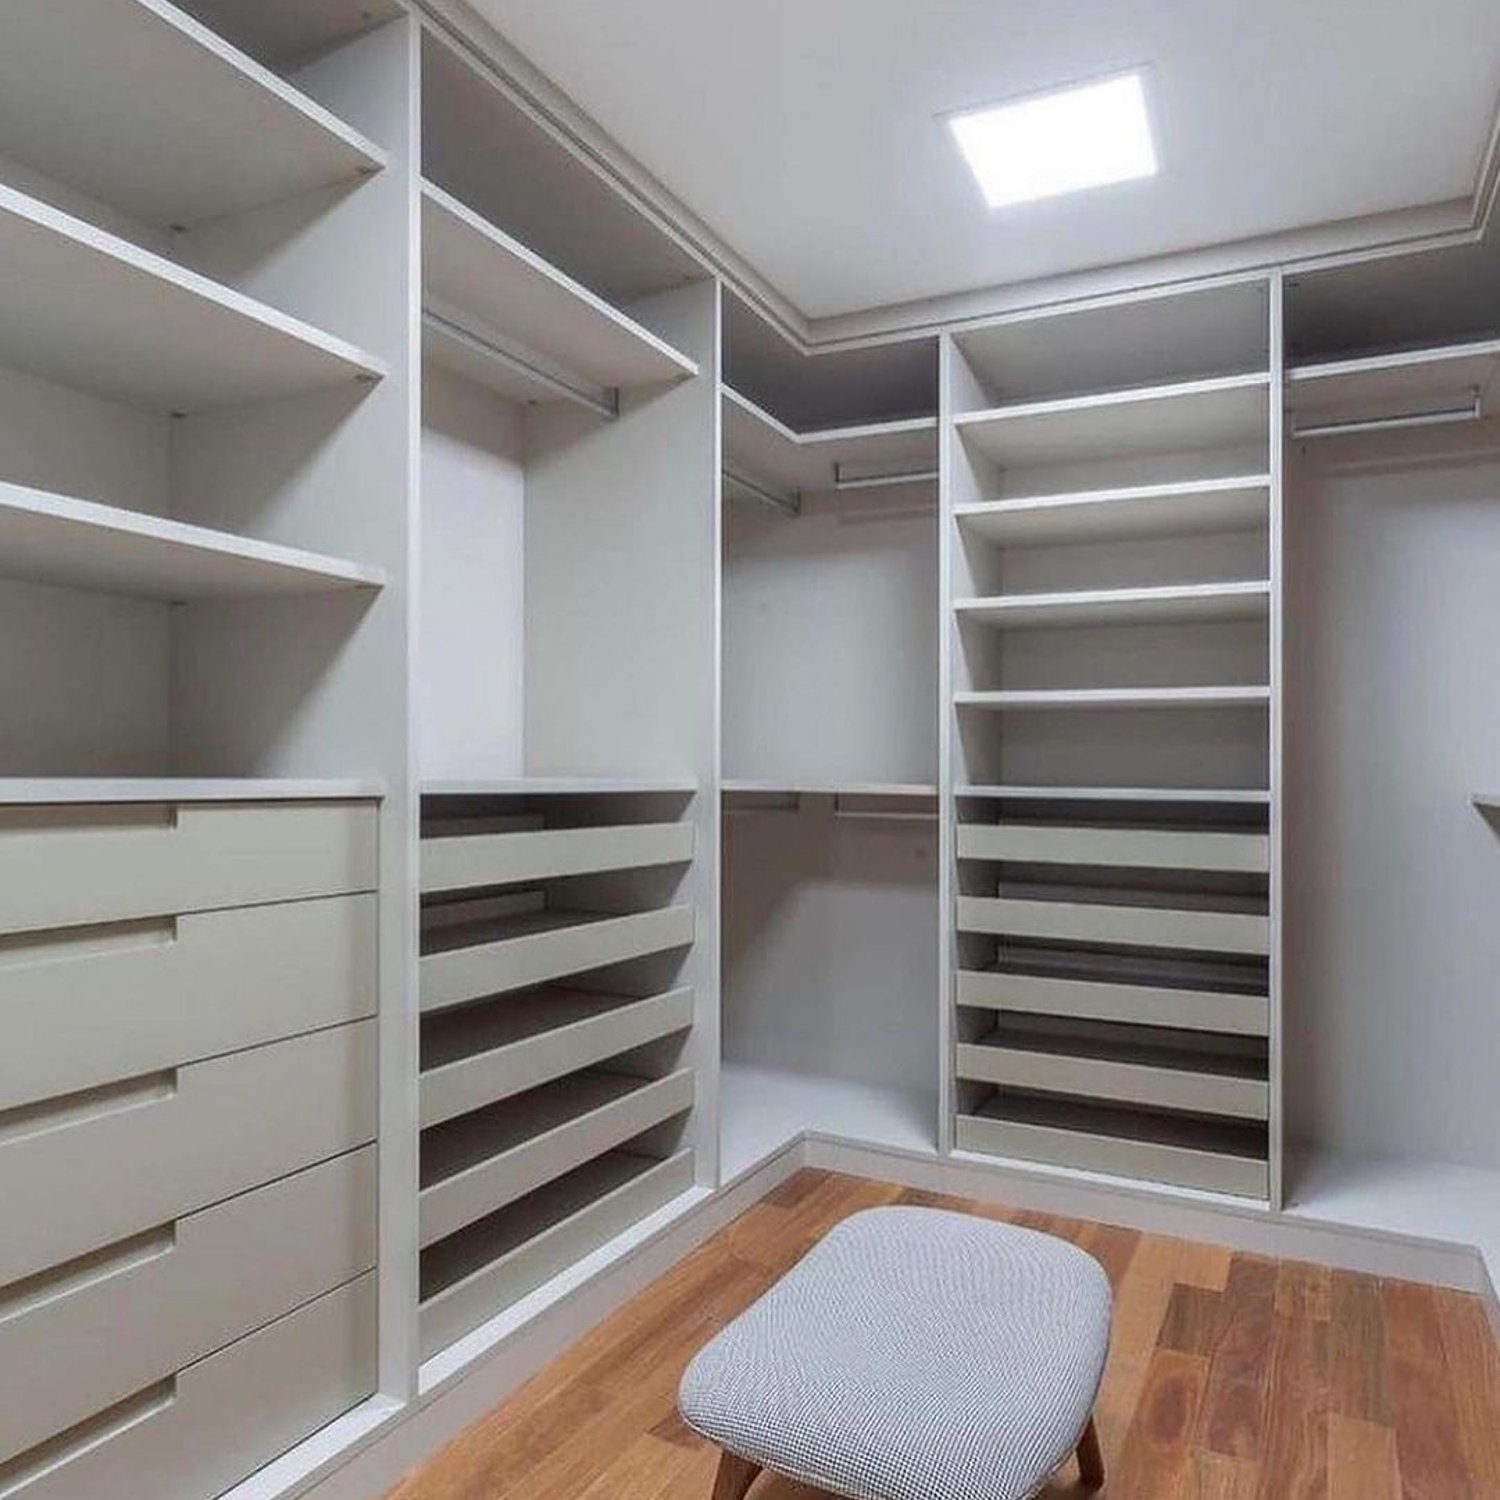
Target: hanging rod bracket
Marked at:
790, 505
1473, 412
843, 481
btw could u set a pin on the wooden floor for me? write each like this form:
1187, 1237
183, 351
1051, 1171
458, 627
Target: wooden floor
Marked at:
1230, 1377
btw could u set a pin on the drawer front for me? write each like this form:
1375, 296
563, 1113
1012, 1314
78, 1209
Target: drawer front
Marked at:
1142, 1005
216, 1422
472, 973
469, 1195
458, 1087
75, 1341
462, 1307
468, 863
1125, 1083
1243, 1177
1126, 926
1140, 848
84, 1172
68, 866
90, 1005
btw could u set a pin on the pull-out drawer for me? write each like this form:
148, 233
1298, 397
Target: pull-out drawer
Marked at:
1127, 1079
82, 1172
1140, 848
482, 1270
64, 866
90, 1005
478, 1163
482, 1054
78, 1339
469, 862
1126, 926
216, 1422
543, 946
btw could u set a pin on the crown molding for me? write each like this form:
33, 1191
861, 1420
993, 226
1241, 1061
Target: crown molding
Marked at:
1437, 226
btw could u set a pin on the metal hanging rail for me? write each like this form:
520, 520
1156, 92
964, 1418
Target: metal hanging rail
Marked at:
1474, 412
842, 481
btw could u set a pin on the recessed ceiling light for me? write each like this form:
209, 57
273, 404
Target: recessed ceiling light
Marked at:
1058, 142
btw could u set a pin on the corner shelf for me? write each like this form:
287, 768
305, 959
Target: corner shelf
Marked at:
1227, 412
1404, 387
872, 455
161, 118
46, 538
481, 282
1197, 603
1082, 698
1186, 508
105, 316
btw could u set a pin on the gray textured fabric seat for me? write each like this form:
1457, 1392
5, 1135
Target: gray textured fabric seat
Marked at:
913, 1354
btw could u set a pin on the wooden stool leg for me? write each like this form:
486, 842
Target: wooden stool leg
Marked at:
735, 1476
1090, 1459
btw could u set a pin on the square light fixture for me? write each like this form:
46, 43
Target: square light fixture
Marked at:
1083, 136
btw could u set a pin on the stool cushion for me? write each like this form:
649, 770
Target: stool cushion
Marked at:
913, 1354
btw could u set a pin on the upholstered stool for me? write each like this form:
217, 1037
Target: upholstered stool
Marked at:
912, 1355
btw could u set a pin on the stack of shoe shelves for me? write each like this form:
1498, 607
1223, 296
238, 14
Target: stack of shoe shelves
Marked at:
1112, 585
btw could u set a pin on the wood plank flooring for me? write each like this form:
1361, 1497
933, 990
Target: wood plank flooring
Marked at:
1231, 1377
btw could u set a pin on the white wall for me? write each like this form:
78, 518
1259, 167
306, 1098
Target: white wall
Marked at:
1393, 879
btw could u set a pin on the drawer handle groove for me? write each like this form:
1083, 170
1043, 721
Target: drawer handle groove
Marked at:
99, 940
25, 1469
89, 818
73, 1276
86, 1106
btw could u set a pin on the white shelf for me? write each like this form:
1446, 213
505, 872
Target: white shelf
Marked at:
763, 1109
1229, 412
73, 789
1199, 506
48, 538
1197, 603
290, 30
1084, 698
760, 448
159, 117
104, 315
833, 788
495, 289
557, 786
1409, 382
1115, 793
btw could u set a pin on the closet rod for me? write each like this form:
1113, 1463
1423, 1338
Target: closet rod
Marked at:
606, 406
791, 505
1471, 413
841, 481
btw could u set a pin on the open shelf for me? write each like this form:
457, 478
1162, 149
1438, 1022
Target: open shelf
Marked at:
815, 788
1179, 604
482, 1269
282, 31
1113, 794
1381, 388
559, 786
160, 118
491, 287
53, 539
75, 789
763, 450
1228, 412
103, 315
1129, 845
1184, 508
763, 1109
482, 1161
1089, 920
1123, 698
469, 861
477, 1055
1215, 1156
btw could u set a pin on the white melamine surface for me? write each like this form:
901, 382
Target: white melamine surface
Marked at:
284, 31
54, 539
1229, 412
813, 788
43, 789
104, 315
762, 448
554, 786
1080, 698
158, 117
1185, 604
765, 1108
1402, 383
478, 276
1110, 793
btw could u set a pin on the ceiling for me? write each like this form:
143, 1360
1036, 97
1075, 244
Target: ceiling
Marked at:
805, 132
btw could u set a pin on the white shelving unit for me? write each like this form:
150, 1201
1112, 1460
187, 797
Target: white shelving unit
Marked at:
56, 540
105, 316
1147, 606
161, 118
1122, 698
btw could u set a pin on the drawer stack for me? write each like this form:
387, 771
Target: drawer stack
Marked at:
187, 1117
1112, 991
554, 1091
